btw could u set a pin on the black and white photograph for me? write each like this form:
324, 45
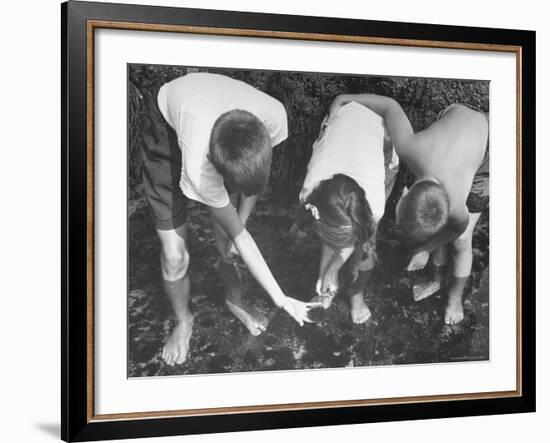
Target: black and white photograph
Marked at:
275, 221
284, 220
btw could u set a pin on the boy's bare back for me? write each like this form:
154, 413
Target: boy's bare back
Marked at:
451, 150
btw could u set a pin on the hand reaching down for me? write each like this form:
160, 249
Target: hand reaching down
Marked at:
231, 251
318, 286
418, 261
329, 283
299, 310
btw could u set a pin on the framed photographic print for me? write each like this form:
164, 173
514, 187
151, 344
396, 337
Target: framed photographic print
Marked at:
277, 221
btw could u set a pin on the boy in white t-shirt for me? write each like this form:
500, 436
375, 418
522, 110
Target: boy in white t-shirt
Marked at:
219, 132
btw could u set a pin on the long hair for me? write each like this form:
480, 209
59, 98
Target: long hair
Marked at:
344, 217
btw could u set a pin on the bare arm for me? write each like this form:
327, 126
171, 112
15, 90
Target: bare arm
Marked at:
326, 256
329, 281
447, 235
255, 262
246, 205
399, 126
230, 222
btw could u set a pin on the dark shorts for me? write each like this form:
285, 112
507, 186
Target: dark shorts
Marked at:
161, 158
478, 198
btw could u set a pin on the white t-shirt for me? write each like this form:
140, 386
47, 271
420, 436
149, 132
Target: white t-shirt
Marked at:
191, 105
353, 145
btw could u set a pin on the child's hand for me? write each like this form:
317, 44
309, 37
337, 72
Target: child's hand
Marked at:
231, 251
329, 283
418, 261
298, 310
318, 286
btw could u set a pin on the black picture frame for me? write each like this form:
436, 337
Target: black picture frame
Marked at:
77, 424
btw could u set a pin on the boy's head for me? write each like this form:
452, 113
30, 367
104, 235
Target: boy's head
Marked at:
240, 150
422, 212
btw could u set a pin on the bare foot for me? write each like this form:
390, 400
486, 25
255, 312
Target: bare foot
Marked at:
324, 300
254, 320
177, 346
424, 290
360, 312
455, 312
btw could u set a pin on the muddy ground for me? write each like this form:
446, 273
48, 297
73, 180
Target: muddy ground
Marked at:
400, 331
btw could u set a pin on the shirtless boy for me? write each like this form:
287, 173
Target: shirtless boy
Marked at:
437, 216
205, 131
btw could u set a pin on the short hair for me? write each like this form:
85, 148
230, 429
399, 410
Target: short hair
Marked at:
240, 150
422, 212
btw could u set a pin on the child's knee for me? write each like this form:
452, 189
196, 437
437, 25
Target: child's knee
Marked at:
175, 263
463, 243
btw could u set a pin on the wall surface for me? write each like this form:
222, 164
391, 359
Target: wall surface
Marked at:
29, 234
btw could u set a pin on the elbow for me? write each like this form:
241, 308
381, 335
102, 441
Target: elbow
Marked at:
392, 106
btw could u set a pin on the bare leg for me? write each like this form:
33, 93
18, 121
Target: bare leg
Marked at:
462, 266
326, 255
425, 289
253, 320
360, 312
174, 264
